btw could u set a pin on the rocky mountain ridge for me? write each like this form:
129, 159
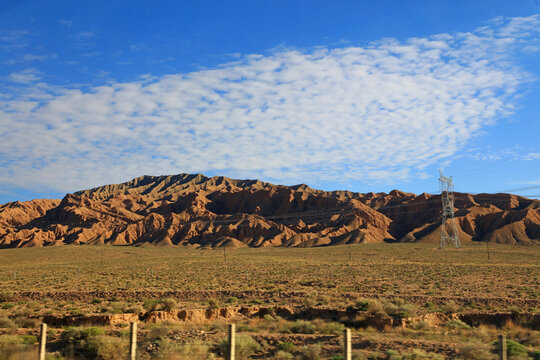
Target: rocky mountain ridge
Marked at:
208, 212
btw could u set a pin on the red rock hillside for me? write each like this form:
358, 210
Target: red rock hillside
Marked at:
194, 210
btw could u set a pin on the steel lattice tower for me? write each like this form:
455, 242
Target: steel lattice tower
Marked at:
449, 229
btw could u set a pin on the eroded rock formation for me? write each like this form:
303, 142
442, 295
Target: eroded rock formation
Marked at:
194, 210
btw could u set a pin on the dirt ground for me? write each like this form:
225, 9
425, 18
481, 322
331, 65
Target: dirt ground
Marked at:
400, 300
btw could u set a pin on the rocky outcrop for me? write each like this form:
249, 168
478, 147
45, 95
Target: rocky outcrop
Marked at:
354, 318
198, 211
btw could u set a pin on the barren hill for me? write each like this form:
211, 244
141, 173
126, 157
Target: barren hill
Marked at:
195, 210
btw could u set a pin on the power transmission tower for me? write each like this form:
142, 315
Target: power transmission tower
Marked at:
449, 232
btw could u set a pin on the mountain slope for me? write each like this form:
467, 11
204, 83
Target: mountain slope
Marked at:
195, 210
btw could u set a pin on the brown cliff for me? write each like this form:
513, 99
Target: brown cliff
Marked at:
194, 210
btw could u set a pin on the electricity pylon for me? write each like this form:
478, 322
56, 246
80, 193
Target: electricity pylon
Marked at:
449, 229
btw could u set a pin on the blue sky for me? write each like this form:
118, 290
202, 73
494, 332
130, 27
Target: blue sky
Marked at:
357, 95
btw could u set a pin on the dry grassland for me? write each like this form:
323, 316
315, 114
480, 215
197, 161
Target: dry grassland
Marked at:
408, 280
379, 269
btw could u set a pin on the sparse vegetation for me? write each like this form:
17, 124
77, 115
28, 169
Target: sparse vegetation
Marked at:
11, 345
213, 303
455, 324
310, 352
245, 346
378, 291
416, 354
303, 327
285, 346
168, 304
513, 349
389, 270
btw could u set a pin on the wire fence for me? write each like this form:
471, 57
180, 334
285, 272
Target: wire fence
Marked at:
196, 342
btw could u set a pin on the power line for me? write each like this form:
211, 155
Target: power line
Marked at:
448, 226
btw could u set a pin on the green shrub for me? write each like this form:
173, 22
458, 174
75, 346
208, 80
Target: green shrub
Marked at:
70, 335
285, 346
29, 339
393, 355
166, 348
76, 312
372, 306
107, 347
476, 351
360, 305
283, 355
84, 342
92, 331
536, 355
375, 307
117, 307
213, 303
303, 327
150, 304
10, 345
231, 300
245, 346
310, 352
247, 328
332, 327
6, 322
134, 309
456, 324
513, 348
158, 332
168, 304
450, 307
400, 309
420, 325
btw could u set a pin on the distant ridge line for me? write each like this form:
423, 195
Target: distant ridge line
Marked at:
207, 212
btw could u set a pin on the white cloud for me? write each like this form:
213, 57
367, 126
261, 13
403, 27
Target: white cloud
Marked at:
517, 153
26, 76
481, 156
31, 57
85, 34
138, 47
12, 40
528, 157
378, 113
67, 23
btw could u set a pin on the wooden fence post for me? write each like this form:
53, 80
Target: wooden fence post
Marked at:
502, 347
347, 345
133, 341
42, 341
232, 342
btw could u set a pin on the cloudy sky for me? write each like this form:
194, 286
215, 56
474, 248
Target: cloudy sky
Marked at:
338, 95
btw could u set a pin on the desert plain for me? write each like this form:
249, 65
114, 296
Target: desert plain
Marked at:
185, 256
398, 299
